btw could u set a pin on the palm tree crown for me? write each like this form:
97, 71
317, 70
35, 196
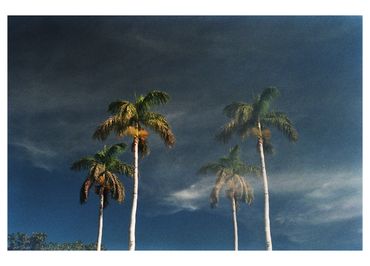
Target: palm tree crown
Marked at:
131, 119
245, 117
231, 172
103, 168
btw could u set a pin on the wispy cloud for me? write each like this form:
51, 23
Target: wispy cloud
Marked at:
323, 197
39, 154
191, 198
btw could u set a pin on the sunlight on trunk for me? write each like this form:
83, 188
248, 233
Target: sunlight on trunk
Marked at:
100, 230
235, 223
132, 242
266, 193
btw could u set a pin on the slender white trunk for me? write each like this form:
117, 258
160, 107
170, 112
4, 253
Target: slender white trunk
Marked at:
266, 192
100, 226
233, 205
131, 241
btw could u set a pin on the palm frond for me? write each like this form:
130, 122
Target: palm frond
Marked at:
239, 189
144, 149
96, 171
210, 168
159, 124
227, 131
117, 106
281, 121
105, 197
100, 156
239, 111
121, 168
247, 195
262, 106
247, 128
244, 113
240, 115
269, 94
154, 97
233, 188
215, 194
113, 123
114, 150
115, 187
124, 110
245, 169
83, 164
234, 153
231, 110
268, 148
85, 188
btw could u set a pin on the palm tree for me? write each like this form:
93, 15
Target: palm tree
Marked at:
103, 168
253, 120
132, 119
230, 172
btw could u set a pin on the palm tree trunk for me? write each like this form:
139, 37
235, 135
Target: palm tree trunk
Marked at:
131, 241
100, 226
266, 191
233, 205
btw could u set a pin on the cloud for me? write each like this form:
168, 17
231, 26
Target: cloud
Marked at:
302, 203
324, 197
40, 155
192, 198
314, 198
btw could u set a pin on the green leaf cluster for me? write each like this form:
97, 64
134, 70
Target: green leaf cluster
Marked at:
37, 241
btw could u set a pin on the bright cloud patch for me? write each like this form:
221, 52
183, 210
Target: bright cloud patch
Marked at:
193, 197
322, 197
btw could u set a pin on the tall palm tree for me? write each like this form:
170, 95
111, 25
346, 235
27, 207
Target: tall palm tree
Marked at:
253, 120
103, 168
132, 119
230, 172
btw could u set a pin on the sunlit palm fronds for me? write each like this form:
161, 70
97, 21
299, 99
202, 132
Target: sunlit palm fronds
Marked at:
129, 118
215, 194
246, 191
85, 188
245, 117
119, 167
101, 173
153, 98
115, 187
231, 172
158, 123
113, 123
281, 121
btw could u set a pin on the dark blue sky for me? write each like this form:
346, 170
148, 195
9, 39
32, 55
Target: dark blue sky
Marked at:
64, 71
